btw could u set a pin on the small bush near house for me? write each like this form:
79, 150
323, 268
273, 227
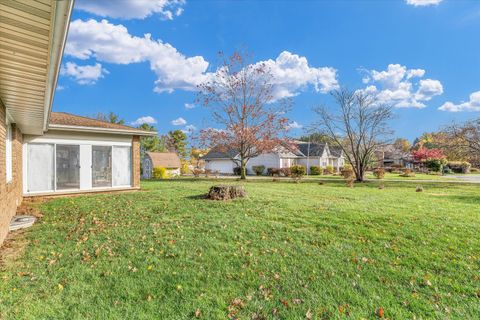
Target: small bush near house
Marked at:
447, 170
298, 172
474, 170
459, 166
161, 173
258, 170
208, 172
316, 170
435, 165
347, 172
286, 172
237, 171
329, 170
184, 169
273, 172
196, 172
379, 173
407, 173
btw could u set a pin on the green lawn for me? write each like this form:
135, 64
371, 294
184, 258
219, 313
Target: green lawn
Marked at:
288, 251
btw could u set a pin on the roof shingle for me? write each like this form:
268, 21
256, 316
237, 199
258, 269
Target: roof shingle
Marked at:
67, 119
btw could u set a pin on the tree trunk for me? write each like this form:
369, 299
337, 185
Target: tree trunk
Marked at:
243, 169
360, 173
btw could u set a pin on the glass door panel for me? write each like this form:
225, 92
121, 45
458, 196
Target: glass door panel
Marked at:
101, 166
68, 167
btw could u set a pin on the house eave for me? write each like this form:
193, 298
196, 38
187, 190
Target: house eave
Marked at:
61, 127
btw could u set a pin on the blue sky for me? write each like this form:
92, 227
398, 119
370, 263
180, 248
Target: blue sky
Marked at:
423, 56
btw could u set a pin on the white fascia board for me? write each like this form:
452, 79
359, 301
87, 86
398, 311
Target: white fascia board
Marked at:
101, 130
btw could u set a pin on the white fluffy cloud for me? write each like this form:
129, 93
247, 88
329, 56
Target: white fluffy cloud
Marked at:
472, 105
294, 125
291, 74
111, 43
179, 122
146, 119
132, 9
189, 106
107, 42
422, 3
189, 129
87, 74
398, 86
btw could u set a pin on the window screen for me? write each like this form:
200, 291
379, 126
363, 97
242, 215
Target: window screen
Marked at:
40, 167
122, 166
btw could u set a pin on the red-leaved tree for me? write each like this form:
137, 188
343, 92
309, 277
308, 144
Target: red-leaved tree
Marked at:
240, 97
424, 154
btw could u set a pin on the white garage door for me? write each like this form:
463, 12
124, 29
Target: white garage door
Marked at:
222, 166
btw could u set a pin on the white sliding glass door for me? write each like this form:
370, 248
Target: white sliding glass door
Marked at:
40, 167
122, 166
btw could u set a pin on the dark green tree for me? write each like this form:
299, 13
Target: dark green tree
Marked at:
177, 140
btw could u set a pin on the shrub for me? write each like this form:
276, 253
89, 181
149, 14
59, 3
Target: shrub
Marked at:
237, 171
435, 165
258, 170
447, 170
208, 172
316, 170
273, 172
379, 173
407, 173
298, 172
285, 172
184, 169
419, 189
161, 173
196, 172
474, 170
348, 173
329, 170
459, 166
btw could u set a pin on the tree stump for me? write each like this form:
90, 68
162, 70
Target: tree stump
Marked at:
224, 192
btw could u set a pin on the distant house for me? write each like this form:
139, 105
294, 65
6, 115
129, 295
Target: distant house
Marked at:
389, 156
168, 160
303, 153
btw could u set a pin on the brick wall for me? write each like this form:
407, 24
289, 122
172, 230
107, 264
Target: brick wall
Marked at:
10, 193
136, 161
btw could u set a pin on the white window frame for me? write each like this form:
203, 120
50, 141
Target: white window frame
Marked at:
8, 151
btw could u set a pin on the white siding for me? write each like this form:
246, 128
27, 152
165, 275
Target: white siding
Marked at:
269, 160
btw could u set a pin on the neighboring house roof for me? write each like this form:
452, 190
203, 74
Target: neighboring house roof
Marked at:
32, 37
169, 160
215, 153
336, 151
314, 150
67, 121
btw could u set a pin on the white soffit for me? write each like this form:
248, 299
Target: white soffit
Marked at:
32, 37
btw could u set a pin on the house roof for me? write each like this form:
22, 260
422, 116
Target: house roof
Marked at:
32, 38
215, 153
314, 150
67, 121
336, 151
168, 160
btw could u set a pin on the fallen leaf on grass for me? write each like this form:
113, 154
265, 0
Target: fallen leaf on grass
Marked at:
309, 314
380, 312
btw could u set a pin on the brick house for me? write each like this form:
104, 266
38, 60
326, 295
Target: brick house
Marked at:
44, 152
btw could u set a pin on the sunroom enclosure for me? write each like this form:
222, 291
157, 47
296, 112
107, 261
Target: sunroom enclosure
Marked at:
59, 165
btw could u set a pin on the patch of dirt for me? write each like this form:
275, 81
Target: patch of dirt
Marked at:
26, 209
13, 247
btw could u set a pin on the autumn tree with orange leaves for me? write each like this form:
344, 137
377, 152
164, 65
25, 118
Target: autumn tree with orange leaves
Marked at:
240, 97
